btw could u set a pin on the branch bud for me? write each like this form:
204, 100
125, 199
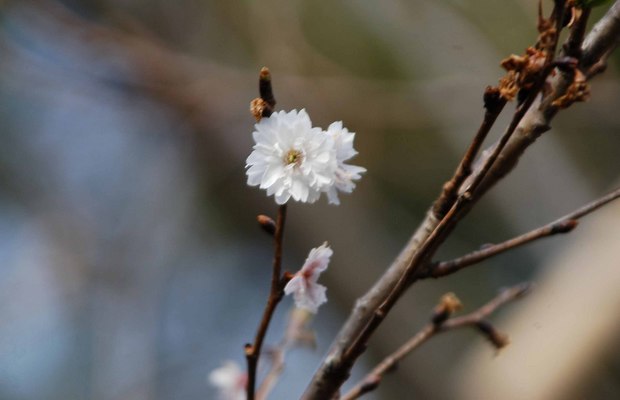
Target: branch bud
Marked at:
266, 92
448, 305
267, 223
564, 226
492, 99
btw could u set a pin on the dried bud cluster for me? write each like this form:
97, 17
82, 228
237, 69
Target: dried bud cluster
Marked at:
579, 90
257, 107
522, 72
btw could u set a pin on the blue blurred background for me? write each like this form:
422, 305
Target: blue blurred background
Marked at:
130, 261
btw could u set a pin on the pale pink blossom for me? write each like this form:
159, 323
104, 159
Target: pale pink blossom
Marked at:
230, 381
307, 293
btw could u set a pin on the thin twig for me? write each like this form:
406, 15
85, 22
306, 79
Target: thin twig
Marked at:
563, 225
252, 351
297, 333
475, 319
493, 107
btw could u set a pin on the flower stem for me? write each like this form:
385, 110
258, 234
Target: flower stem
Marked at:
252, 351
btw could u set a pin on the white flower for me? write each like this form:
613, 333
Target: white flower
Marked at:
345, 174
291, 158
307, 293
230, 381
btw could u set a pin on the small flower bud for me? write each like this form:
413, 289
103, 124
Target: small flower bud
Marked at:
492, 99
267, 223
266, 92
257, 107
448, 305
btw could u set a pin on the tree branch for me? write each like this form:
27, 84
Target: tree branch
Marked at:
563, 225
358, 342
476, 319
335, 369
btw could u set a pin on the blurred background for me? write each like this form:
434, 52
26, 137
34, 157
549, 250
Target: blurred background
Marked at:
130, 260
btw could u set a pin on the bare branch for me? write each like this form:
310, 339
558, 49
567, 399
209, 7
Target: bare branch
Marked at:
476, 319
563, 225
493, 105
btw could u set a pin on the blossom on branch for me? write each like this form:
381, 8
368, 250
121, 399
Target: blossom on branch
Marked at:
230, 381
307, 293
291, 159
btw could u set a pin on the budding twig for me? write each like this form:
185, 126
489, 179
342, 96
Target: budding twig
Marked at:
263, 106
476, 319
252, 351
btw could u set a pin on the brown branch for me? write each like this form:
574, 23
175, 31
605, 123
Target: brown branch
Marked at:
252, 351
476, 319
563, 225
335, 367
557, 17
493, 105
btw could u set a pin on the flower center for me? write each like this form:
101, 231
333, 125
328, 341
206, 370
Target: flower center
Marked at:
294, 157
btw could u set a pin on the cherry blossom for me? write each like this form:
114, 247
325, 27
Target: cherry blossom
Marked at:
307, 293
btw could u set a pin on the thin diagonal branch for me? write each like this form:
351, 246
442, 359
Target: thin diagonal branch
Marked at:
493, 105
563, 225
476, 319
252, 351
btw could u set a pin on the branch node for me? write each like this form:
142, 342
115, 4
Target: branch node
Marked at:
492, 98
564, 226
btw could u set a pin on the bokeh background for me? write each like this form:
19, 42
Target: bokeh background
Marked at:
130, 261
